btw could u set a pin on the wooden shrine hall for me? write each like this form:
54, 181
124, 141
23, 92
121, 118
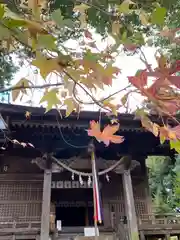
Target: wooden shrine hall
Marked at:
41, 199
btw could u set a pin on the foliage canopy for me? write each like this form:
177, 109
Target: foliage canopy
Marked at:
40, 27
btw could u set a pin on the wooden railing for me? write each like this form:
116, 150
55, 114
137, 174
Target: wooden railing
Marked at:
19, 224
162, 219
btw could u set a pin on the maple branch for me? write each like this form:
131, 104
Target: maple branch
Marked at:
94, 100
29, 87
144, 60
100, 101
14, 33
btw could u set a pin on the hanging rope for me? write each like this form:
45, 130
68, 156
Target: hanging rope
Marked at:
111, 168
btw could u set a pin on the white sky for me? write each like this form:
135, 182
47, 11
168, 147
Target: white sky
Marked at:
128, 65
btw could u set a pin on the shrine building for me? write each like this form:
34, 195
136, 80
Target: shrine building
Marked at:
41, 199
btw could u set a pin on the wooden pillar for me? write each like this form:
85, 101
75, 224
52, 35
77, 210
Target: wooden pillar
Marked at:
130, 206
167, 236
86, 217
45, 216
142, 236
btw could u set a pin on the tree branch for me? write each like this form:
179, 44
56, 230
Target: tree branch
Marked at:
94, 99
101, 100
29, 87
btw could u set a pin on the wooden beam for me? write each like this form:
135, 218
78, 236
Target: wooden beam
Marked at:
130, 206
45, 216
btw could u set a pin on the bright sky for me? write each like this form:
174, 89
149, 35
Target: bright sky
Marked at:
128, 65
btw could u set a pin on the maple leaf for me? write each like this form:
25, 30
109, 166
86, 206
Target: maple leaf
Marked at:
87, 34
107, 135
111, 106
28, 115
51, 99
140, 80
108, 73
94, 130
171, 106
176, 130
167, 133
175, 145
46, 66
71, 106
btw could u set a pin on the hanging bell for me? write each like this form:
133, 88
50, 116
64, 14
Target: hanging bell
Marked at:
89, 181
80, 180
107, 178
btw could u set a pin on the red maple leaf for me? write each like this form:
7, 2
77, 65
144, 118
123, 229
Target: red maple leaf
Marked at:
107, 135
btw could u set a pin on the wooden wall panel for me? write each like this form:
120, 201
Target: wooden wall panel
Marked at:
20, 201
112, 193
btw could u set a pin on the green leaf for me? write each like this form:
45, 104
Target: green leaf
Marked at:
124, 99
47, 41
4, 33
51, 99
57, 17
140, 112
124, 7
14, 23
158, 16
92, 57
124, 36
68, 23
162, 139
69, 102
2, 11
138, 38
175, 145
46, 66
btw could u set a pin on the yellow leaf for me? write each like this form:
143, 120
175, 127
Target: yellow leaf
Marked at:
15, 93
32, 4
71, 106
146, 123
143, 18
27, 114
69, 86
115, 28
81, 8
114, 120
155, 129
82, 19
162, 139
51, 99
124, 7
175, 145
162, 62
113, 107
46, 66
172, 135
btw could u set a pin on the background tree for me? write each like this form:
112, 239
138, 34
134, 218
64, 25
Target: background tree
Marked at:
7, 69
172, 50
164, 183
